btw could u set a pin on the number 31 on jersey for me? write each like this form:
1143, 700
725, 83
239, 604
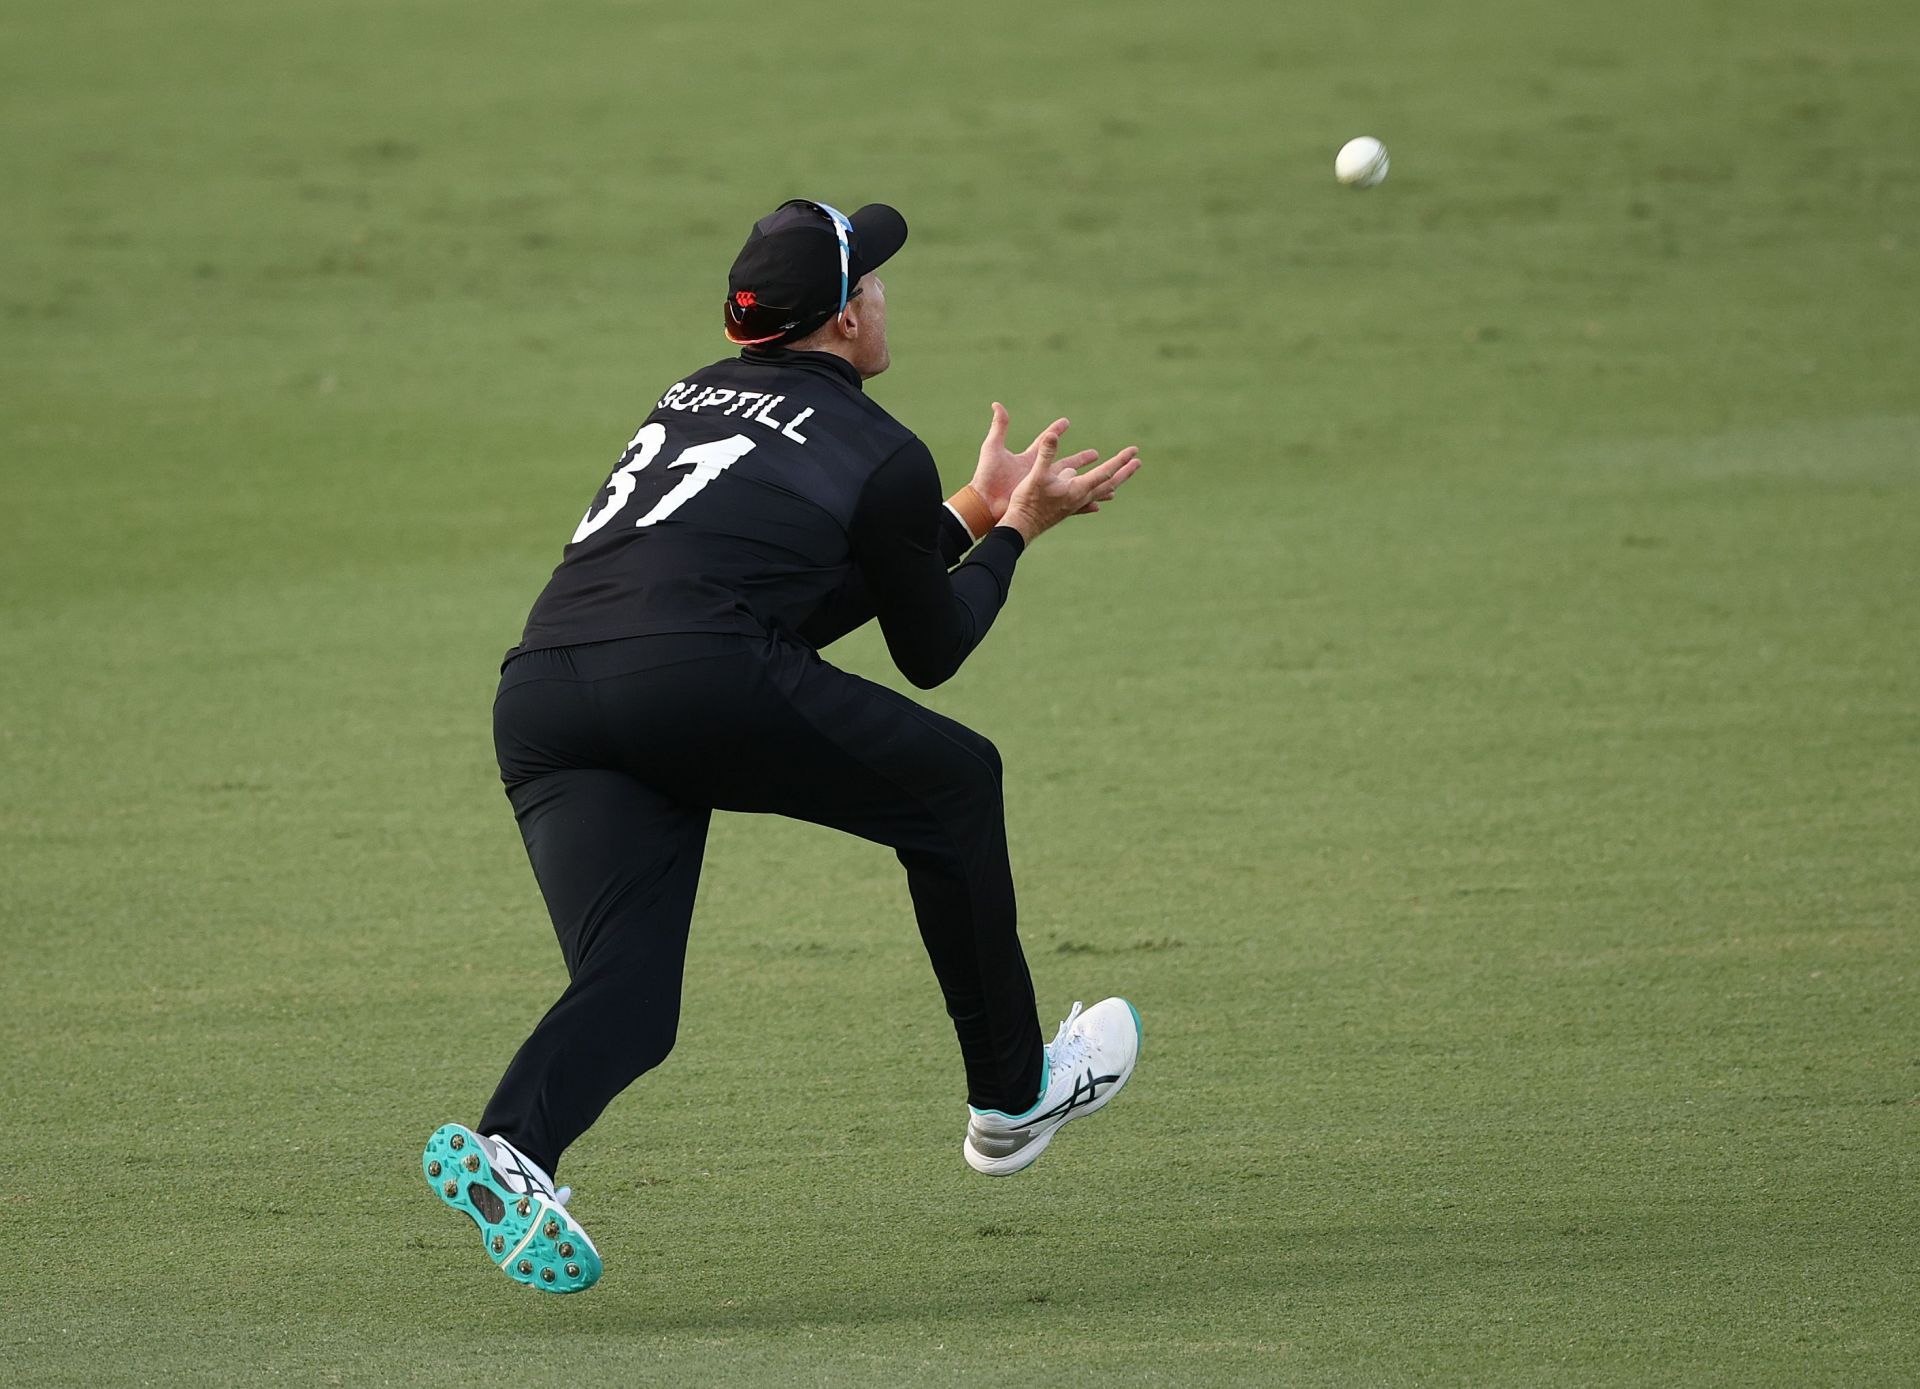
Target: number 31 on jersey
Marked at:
706, 462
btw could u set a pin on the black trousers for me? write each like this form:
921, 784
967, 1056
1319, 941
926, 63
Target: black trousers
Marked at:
614, 756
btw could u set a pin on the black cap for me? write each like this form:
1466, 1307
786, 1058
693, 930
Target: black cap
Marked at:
786, 281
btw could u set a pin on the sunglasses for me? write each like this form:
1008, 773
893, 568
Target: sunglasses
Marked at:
739, 307
843, 230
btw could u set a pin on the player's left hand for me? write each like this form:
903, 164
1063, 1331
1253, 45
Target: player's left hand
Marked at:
1001, 471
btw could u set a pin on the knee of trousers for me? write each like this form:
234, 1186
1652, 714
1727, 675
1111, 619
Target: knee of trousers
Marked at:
976, 767
968, 797
964, 835
632, 1024
644, 1038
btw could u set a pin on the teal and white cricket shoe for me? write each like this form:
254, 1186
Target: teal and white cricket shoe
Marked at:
523, 1220
1089, 1059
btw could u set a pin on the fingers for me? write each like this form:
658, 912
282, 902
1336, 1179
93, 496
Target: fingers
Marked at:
1055, 488
1131, 467
997, 431
1109, 475
1105, 494
1045, 448
1057, 429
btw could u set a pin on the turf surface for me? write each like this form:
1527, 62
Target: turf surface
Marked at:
1485, 743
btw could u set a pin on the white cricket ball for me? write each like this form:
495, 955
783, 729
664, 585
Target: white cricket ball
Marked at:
1361, 162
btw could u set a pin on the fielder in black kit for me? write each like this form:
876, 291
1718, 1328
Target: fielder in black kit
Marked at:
765, 508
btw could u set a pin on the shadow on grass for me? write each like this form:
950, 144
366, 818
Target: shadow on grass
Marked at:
1149, 1283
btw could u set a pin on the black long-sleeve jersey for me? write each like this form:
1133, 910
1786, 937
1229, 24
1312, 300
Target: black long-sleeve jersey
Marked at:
768, 494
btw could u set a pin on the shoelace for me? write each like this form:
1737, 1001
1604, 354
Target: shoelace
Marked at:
1068, 1046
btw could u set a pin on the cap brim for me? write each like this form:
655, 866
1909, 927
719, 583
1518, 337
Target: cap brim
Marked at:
878, 231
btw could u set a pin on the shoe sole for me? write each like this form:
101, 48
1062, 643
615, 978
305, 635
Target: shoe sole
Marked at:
1027, 1156
527, 1237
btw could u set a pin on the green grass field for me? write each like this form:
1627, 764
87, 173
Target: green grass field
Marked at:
1485, 743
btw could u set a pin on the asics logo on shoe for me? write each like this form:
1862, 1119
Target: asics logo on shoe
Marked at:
1086, 1089
507, 1168
514, 1174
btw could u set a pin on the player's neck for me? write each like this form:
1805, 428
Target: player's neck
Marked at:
842, 361
830, 345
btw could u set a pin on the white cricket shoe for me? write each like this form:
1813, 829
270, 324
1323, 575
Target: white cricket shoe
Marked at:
523, 1220
1090, 1058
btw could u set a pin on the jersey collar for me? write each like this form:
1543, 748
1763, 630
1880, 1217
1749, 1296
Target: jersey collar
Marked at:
824, 362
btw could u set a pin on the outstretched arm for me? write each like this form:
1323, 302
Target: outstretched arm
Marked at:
931, 618
967, 517
851, 605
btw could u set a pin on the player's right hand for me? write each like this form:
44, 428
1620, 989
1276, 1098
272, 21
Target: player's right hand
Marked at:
1052, 490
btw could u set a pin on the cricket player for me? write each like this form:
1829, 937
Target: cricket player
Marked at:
671, 668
